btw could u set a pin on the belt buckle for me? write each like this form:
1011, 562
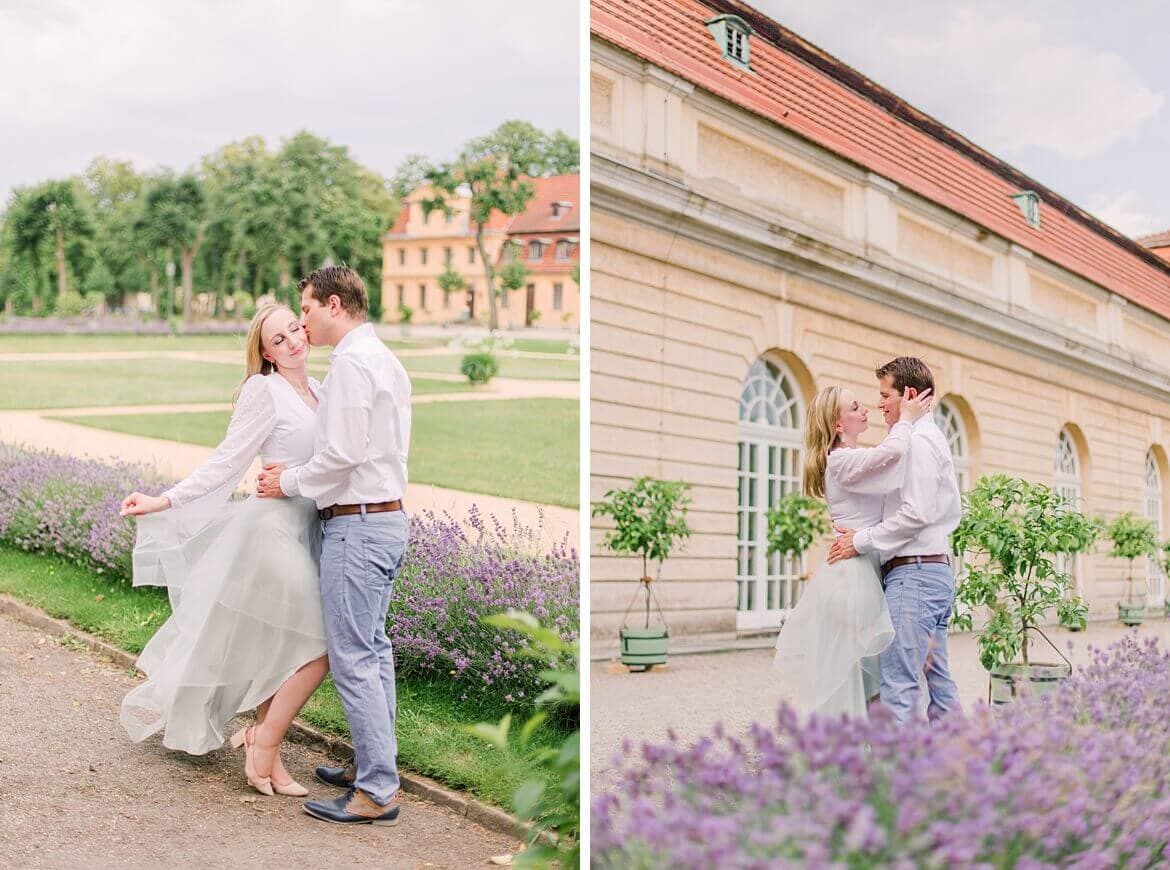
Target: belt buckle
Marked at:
327, 513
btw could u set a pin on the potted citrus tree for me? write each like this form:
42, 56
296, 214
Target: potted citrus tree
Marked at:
649, 517
1132, 537
1010, 532
793, 524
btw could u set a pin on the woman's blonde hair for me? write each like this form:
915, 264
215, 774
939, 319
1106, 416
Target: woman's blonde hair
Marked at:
820, 437
254, 361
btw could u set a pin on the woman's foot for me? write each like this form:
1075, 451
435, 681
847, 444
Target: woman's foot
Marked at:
282, 781
266, 755
246, 737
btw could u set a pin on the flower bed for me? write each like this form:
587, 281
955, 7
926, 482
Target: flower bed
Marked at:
451, 577
1079, 778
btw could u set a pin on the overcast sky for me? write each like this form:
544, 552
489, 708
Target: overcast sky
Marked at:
165, 83
1076, 93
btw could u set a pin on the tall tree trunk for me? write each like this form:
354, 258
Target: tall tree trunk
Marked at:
154, 290
62, 280
187, 258
241, 267
285, 279
490, 275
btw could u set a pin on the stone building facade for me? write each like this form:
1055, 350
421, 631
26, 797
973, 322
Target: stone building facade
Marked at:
766, 222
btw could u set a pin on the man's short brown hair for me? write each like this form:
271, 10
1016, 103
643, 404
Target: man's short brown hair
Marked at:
342, 282
907, 371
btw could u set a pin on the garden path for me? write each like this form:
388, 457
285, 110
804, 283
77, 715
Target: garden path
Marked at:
34, 428
739, 687
82, 794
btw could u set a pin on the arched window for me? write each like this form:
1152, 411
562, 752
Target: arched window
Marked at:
946, 415
1153, 503
1066, 480
770, 421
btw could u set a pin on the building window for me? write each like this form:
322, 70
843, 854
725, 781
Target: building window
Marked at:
423, 254
402, 256
948, 420
471, 255
446, 298
558, 296
535, 250
448, 217
505, 293
401, 295
446, 256
770, 438
422, 296
732, 35
563, 248
1066, 480
1153, 502
426, 216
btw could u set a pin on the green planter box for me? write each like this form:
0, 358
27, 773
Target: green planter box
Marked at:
1017, 680
1131, 613
644, 647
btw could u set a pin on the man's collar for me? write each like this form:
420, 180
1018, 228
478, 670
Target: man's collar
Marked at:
354, 335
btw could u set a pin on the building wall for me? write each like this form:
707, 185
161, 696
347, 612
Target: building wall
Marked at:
718, 239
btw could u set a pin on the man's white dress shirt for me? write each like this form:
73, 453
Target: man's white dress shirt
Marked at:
919, 516
363, 427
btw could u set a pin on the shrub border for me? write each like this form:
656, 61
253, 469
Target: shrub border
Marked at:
463, 805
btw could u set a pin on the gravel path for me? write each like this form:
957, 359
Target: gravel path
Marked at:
75, 791
693, 692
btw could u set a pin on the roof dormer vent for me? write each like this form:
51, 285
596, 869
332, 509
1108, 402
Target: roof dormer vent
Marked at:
732, 36
1029, 203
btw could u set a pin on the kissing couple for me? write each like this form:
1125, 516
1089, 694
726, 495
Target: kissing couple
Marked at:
271, 593
872, 623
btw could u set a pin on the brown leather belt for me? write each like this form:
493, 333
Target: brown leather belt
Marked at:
939, 559
342, 510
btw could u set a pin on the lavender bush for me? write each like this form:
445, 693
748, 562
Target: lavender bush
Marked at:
67, 506
451, 577
1079, 778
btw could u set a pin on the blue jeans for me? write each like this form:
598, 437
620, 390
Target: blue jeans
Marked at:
360, 555
920, 598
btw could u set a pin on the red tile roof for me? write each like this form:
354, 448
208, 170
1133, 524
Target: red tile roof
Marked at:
800, 87
538, 216
400, 221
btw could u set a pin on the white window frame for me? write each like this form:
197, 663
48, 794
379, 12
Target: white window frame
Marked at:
1066, 480
1153, 511
771, 420
950, 421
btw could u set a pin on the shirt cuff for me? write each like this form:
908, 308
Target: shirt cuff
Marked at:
170, 494
863, 541
288, 482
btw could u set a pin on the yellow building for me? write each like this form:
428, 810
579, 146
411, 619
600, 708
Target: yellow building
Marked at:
765, 222
545, 237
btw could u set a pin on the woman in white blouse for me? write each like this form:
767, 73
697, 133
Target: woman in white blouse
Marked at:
246, 629
827, 649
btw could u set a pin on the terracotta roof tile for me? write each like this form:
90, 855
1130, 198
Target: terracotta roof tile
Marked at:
538, 216
1157, 240
805, 90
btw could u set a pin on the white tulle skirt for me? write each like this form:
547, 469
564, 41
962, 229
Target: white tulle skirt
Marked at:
246, 614
827, 650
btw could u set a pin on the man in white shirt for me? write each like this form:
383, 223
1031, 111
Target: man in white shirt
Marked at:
913, 545
357, 477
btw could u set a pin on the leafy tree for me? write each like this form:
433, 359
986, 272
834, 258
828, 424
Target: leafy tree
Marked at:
1132, 537
1011, 531
410, 175
793, 524
115, 192
513, 274
175, 215
46, 217
530, 150
649, 518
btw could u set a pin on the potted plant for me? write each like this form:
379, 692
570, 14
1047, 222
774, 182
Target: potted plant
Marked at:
793, 524
1164, 564
649, 517
1132, 537
1010, 532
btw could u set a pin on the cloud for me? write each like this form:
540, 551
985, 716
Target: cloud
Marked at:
174, 81
1124, 212
1023, 86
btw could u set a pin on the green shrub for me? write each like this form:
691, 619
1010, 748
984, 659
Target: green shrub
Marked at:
244, 306
71, 304
479, 367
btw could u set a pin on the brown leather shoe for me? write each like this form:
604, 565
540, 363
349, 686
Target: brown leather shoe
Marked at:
355, 807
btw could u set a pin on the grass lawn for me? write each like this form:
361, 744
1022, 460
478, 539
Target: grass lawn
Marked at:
431, 739
541, 345
135, 382
21, 343
568, 369
517, 448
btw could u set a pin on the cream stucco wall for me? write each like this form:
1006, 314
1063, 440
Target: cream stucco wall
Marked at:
717, 238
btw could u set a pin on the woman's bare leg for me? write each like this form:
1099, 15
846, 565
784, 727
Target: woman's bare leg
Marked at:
279, 712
